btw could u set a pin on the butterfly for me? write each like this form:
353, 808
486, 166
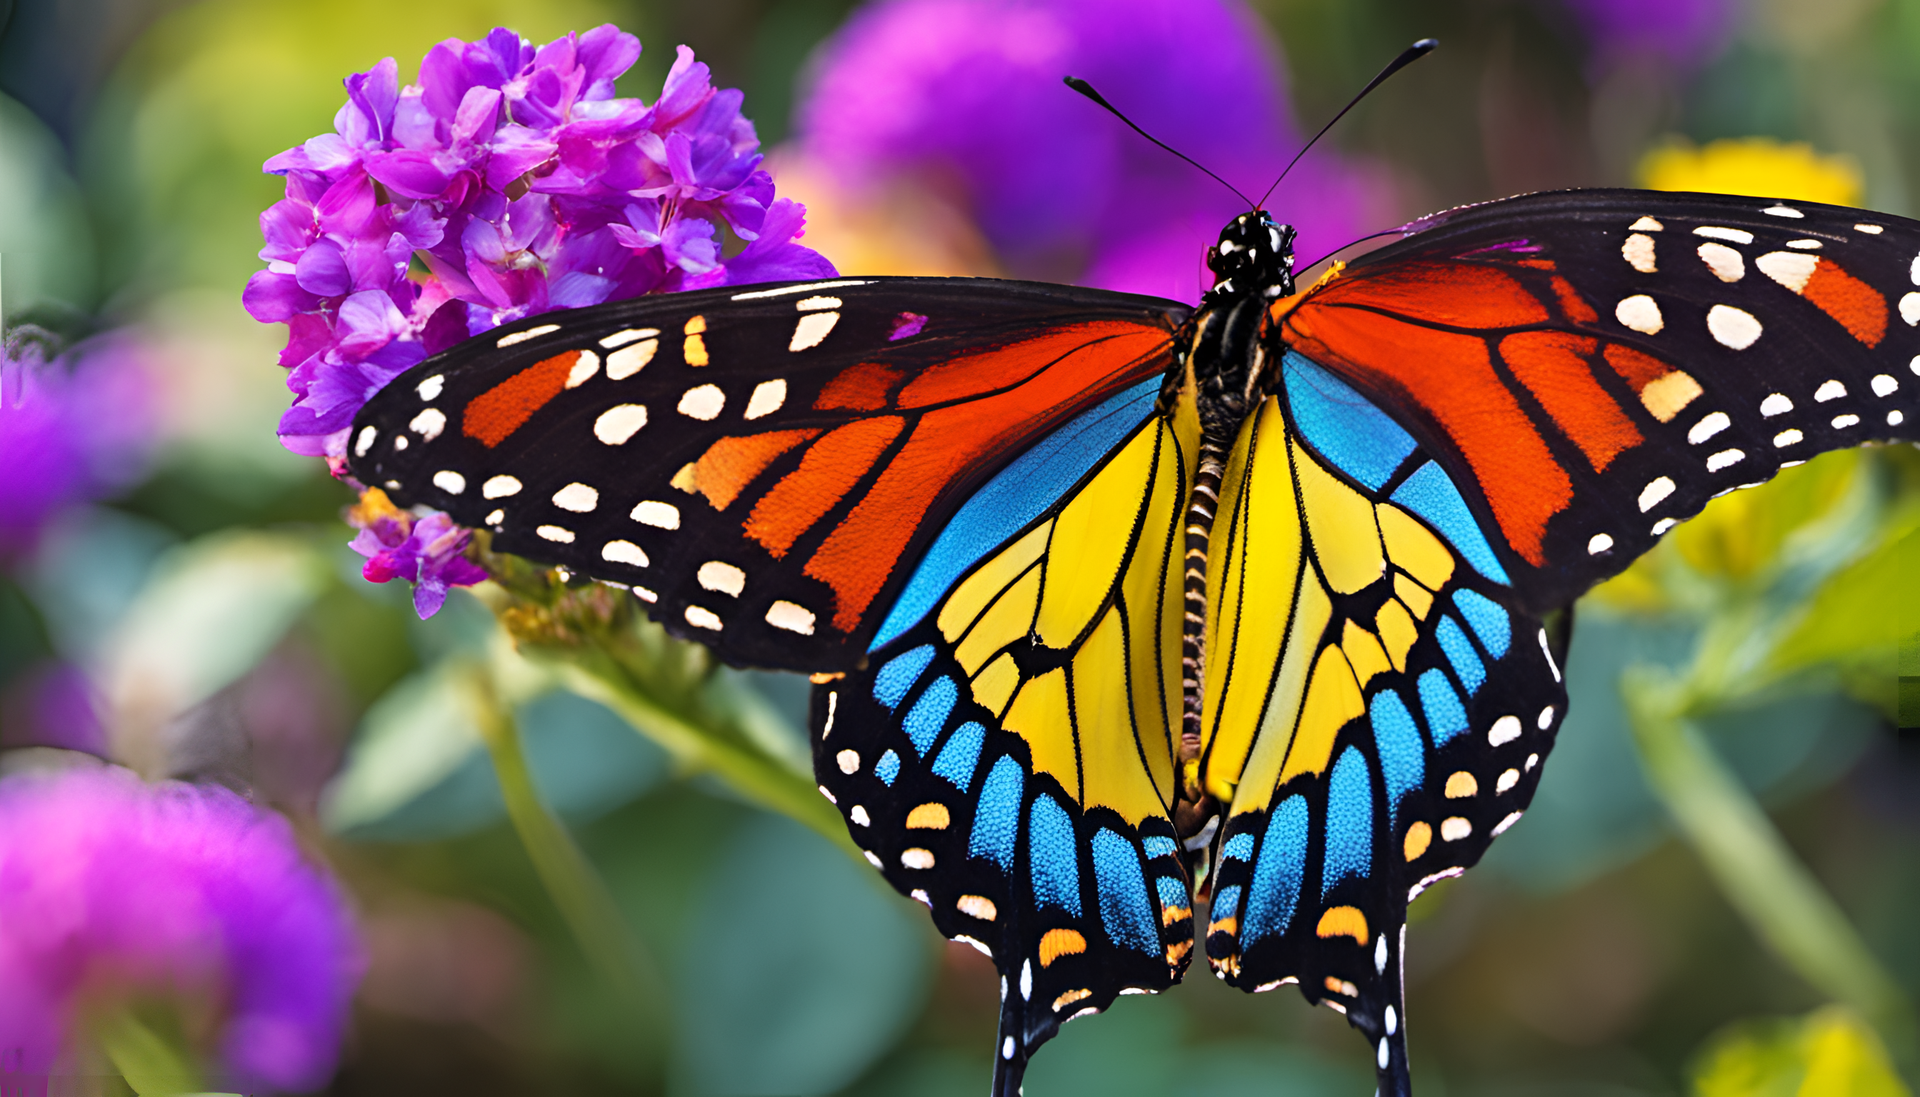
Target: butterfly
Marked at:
1123, 612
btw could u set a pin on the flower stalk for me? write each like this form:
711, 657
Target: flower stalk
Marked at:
570, 879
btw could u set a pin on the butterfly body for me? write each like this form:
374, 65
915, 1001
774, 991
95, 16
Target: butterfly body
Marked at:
1139, 616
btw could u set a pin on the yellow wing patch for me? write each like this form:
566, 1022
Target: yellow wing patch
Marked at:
1346, 541
1039, 715
1092, 537
986, 583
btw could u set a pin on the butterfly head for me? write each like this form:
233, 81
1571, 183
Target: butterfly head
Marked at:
1254, 255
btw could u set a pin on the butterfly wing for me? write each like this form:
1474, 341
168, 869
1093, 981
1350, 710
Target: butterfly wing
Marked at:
755, 462
1593, 366
1376, 708
1006, 757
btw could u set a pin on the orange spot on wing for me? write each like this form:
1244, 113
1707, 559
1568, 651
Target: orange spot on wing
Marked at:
1464, 295
1553, 366
501, 410
1571, 303
1343, 922
1056, 943
1451, 376
730, 464
861, 388
1005, 367
829, 469
950, 442
1859, 307
1638, 368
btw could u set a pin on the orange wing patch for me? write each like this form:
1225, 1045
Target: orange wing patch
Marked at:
1011, 365
730, 464
1553, 366
502, 409
1456, 294
862, 388
828, 471
1859, 307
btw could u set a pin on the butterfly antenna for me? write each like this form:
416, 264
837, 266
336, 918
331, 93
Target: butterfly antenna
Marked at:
1407, 57
1086, 89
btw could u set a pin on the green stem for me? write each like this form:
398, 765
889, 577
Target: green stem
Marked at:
570, 879
1755, 869
760, 778
152, 1066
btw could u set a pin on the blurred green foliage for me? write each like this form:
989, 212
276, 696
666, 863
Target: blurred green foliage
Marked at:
1592, 953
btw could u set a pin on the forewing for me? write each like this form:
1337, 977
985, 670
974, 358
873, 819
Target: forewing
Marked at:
755, 462
1593, 366
1377, 708
1007, 756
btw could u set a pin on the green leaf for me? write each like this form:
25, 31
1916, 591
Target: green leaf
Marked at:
1828, 1053
1856, 614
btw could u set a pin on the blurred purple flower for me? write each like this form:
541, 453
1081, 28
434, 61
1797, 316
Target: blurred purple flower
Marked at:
71, 429
112, 887
522, 185
1684, 32
52, 705
968, 93
428, 552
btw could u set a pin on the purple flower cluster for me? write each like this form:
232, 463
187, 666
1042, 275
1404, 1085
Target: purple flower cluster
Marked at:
428, 551
517, 181
1686, 33
71, 429
967, 95
111, 887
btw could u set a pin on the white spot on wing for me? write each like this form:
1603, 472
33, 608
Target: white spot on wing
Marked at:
859, 816
812, 329
1726, 458
1910, 308
1830, 390
449, 481
791, 616
369, 434
523, 336
1640, 313
1599, 543
817, 304
1504, 730
1506, 782
1842, 422
1789, 437
1738, 236
1782, 211
622, 338
1546, 718
1723, 261
723, 577
785, 291
431, 388
848, 761
584, 367
495, 517
1455, 828
577, 497
556, 534
1654, 492
658, 515
700, 617
627, 361
619, 423
767, 398
1871, 230
1775, 404
624, 552
1500, 827
499, 487
1736, 329
1646, 224
1895, 418
703, 402
1884, 385
1663, 525
1789, 268
1638, 252
916, 858
399, 443
1708, 427
429, 423
1804, 245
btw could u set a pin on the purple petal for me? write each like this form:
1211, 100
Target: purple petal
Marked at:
322, 270
275, 298
606, 52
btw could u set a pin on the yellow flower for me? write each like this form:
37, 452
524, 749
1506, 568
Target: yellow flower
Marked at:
1754, 165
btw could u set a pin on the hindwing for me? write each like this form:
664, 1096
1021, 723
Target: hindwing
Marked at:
1007, 755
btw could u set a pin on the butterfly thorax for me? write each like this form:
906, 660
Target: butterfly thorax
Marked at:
1221, 356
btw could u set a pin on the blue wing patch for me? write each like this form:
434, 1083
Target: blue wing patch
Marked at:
1280, 871
961, 754
1431, 494
1054, 860
1344, 426
996, 821
1349, 821
928, 717
897, 677
1466, 662
1396, 739
1488, 620
1446, 716
1124, 909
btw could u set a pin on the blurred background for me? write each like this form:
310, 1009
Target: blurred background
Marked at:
181, 597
